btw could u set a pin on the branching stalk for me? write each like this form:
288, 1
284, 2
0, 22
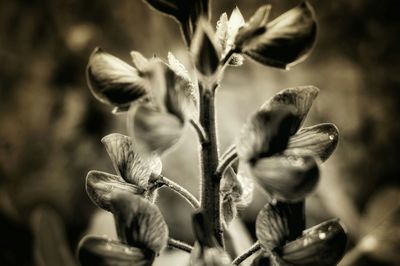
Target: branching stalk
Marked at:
161, 180
173, 243
226, 162
253, 249
199, 130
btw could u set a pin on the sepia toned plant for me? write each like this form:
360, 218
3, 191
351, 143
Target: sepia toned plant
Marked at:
273, 150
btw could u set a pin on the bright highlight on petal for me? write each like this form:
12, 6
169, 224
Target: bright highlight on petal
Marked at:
113, 81
133, 167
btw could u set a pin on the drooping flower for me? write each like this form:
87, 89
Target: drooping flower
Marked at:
283, 42
159, 123
141, 230
282, 237
115, 82
133, 171
282, 158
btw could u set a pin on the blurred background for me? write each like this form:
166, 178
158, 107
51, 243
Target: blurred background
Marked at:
51, 125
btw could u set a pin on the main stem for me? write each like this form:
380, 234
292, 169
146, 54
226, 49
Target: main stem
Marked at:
210, 196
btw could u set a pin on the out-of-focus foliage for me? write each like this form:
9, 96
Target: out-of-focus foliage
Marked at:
51, 125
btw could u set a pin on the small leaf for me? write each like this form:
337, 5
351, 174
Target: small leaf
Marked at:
266, 133
287, 178
178, 67
101, 251
221, 32
139, 223
132, 167
155, 131
323, 244
229, 210
320, 140
247, 184
50, 246
205, 49
286, 41
139, 61
114, 82
278, 223
100, 187
300, 99
236, 21
231, 193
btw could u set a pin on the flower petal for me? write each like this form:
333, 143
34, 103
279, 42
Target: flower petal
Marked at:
287, 178
323, 244
320, 140
205, 50
300, 99
112, 81
278, 223
265, 133
139, 222
154, 131
254, 27
287, 40
100, 186
96, 251
131, 166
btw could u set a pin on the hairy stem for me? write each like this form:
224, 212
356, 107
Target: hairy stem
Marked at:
160, 180
173, 243
210, 196
253, 249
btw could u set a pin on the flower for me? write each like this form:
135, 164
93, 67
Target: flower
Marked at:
282, 236
114, 82
133, 169
283, 159
159, 123
283, 42
141, 230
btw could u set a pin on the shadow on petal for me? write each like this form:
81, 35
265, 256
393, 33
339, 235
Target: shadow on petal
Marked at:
100, 251
288, 178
